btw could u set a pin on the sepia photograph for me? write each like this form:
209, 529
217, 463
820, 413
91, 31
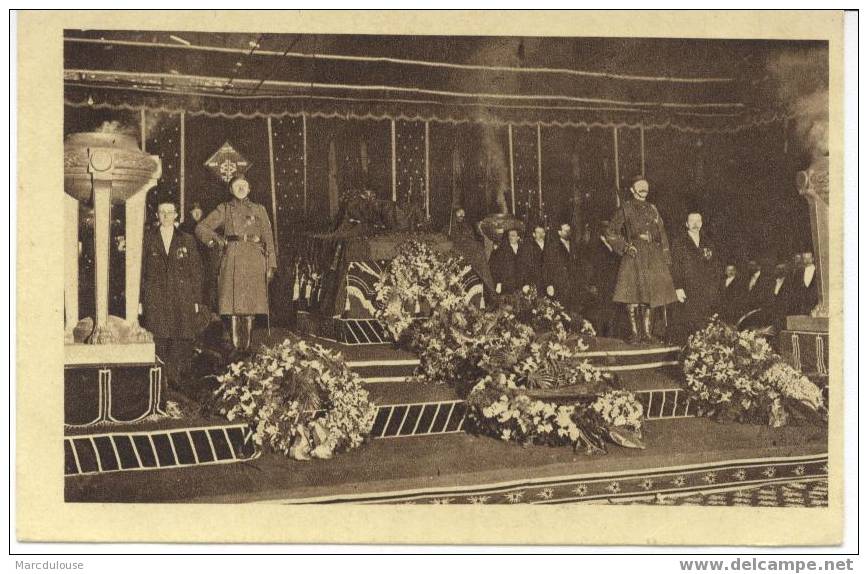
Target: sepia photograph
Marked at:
309, 269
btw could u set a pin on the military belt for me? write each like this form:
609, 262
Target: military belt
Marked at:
245, 237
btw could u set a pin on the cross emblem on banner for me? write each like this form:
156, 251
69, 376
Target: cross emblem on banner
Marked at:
226, 163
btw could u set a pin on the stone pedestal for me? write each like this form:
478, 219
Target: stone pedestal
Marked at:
804, 343
106, 169
813, 184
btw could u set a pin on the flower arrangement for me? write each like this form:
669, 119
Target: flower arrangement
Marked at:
500, 406
462, 345
543, 314
418, 273
735, 375
299, 399
509, 361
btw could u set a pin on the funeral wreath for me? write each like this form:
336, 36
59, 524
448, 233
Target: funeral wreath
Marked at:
736, 376
298, 398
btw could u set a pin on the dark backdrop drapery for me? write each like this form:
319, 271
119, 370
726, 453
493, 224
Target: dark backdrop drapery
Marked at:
743, 181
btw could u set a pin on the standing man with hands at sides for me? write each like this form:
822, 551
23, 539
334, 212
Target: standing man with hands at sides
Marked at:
636, 233
171, 291
243, 230
695, 276
531, 254
561, 267
504, 264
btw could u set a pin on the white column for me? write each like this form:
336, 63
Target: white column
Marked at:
70, 264
134, 209
394, 166
642, 148
511, 170
102, 189
427, 172
182, 178
617, 173
273, 186
539, 165
304, 159
143, 132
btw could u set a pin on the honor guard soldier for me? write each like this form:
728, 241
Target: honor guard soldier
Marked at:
636, 233
242, 229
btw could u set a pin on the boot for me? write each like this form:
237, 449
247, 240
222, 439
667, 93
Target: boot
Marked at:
647, 334
247, 332
633, 319
237, 332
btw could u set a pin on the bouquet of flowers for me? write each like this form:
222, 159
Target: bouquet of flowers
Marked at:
298, 399
735, 375
418, 273
500, 406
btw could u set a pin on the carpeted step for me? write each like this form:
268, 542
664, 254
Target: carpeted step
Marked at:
695, 454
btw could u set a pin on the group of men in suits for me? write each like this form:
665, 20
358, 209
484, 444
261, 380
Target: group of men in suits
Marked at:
764, 297
585, 280
552, 265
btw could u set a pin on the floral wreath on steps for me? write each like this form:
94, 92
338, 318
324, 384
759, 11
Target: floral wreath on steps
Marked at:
735, 376
298, 398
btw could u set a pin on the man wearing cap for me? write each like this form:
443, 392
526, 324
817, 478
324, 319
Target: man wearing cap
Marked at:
243, 230
695, 272
171, 291
637, 234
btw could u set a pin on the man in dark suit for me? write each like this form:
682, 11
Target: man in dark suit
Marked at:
531, 259
171, 291
804, 286
562, 270
757, 287
504, 264
602, 258
695, 277
779, 300
733, 293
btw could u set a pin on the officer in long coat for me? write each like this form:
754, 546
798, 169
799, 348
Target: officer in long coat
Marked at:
171, 291
243, 230
695, 272
636, 233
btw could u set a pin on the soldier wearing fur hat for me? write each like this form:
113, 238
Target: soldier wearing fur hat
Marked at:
243, 230
637, 234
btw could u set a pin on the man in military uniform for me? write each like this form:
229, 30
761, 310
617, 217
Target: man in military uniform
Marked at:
248, 262
636, 233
